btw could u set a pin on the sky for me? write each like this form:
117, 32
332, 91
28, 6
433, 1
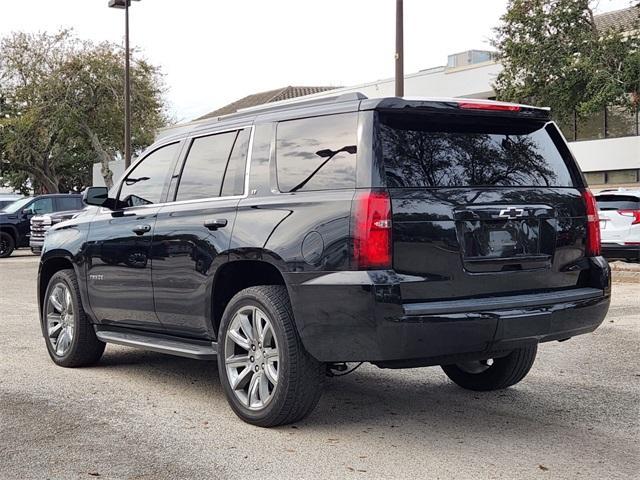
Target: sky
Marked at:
213, 52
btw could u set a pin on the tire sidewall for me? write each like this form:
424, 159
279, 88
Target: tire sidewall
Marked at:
251, 298
63, 277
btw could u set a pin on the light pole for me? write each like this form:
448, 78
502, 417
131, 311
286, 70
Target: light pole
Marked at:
124, 4
399, 50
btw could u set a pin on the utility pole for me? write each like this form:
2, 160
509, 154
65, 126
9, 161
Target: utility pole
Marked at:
399, 50
127, 91
124, 5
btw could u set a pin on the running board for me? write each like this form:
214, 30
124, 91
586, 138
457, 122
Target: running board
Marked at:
200, 350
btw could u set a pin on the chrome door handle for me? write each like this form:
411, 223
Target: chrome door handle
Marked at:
215, 224
141, 229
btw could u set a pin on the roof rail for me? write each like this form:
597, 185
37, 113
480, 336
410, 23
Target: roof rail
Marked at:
267, 107
344, 97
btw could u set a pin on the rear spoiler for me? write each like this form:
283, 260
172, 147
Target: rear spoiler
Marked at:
459, 106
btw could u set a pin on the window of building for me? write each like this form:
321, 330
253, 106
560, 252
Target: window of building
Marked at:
234, 175
590, 127
595, 178
145, 184
317, 153
203, 171
621, 122
622, 176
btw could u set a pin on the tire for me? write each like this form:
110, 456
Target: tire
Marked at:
299, 376
7, 244
502, 373
84, 348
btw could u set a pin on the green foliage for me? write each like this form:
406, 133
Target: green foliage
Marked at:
62, 109
553, 55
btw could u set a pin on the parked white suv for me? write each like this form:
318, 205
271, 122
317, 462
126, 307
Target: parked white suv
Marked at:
619, 212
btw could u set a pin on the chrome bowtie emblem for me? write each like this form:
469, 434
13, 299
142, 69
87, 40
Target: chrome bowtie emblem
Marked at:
511, 212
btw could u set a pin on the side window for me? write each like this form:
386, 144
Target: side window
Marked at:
234, 176
203, 170
146, 182
42, 205
317, 153
67, 203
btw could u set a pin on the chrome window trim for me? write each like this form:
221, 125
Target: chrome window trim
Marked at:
208, 199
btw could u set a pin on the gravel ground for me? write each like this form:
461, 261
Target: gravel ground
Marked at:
142, 415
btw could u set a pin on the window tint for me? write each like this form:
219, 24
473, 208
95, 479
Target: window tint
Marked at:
69, 203
42, 205
317, 153
234, 175
145, 183
618, 202
419, 152
203, 170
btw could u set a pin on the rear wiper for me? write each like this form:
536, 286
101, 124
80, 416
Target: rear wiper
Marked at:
131, 181
328, 154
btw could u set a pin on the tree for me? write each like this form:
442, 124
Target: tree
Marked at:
554, 55
63, 109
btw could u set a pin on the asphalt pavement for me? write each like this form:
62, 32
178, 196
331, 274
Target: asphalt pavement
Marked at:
142, 415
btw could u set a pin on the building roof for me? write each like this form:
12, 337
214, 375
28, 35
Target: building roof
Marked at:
265, 97
625, 20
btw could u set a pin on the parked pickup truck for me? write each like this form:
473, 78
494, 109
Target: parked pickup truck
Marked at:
40, 224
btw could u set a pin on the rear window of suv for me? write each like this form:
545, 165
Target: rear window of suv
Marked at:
618, 202
424, 151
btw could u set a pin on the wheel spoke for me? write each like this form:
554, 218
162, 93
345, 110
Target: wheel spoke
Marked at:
271, 373
55, 300
264, 387
259, 326
55, 330
247, 328
237, 361
271, 354
240, 381
63, 342
252, 393
239, 339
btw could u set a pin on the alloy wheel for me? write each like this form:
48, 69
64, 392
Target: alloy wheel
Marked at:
252, 357
4, 246
60, 318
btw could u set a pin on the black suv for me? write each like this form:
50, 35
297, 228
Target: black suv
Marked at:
15, 219
289, 240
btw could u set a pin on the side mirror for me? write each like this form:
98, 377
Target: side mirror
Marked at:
27, 212
97, 196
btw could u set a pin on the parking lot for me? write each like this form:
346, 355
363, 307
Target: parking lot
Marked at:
145, 415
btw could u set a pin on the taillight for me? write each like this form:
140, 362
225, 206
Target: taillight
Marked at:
372, 230
505, 107
631, 213
593, 224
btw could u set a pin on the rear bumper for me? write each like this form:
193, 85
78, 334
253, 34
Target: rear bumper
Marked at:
359, 316
615, 251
